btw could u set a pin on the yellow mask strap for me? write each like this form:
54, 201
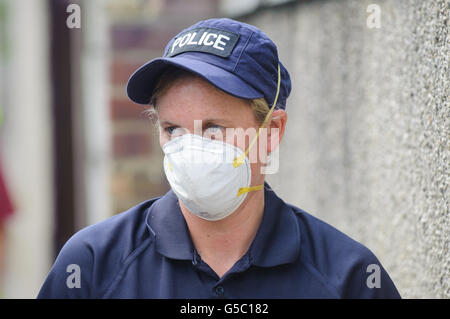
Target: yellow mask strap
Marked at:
244, 190
240, 159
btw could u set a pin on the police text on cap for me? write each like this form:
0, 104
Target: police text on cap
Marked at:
207, 40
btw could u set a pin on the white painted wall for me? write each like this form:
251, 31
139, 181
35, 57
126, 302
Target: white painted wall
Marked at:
96, 115
27, 149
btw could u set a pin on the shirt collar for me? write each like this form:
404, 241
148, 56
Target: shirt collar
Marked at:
166, 223
276, 242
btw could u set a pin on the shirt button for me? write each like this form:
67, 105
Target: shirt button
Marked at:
219, 290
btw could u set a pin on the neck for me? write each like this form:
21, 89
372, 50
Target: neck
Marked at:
221, 243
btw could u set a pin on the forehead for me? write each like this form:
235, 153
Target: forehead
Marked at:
190, 95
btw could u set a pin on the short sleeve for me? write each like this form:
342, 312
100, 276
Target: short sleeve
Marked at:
70, 275
367, 279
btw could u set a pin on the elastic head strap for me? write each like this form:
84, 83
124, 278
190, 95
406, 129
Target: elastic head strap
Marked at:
240, 159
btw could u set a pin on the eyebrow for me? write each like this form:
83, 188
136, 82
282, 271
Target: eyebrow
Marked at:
217, 121
168, 123
204, 122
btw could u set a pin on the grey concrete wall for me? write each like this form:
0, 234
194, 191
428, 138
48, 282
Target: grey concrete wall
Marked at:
367, 142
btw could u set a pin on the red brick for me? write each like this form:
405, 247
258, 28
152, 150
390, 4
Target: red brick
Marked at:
194, 8
131, 144
121, 70
141, 37
122, 109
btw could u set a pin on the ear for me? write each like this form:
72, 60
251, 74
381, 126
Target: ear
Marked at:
275, 129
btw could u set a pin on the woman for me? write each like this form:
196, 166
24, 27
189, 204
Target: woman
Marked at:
218, 96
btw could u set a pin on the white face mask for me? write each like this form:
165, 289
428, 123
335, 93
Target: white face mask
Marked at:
202, 175
211, 178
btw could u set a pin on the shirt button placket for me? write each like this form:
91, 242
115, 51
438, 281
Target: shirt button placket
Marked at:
219, 290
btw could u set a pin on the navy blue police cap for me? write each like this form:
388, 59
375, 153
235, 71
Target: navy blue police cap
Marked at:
236, 57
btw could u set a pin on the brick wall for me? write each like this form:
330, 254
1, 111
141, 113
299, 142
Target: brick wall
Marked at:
139, 31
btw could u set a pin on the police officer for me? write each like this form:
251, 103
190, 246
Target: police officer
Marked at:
221, 231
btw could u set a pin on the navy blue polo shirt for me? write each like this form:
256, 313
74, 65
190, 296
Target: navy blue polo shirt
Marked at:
147, 252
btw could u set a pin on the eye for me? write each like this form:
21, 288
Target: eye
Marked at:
214, 128
170, 130
214, 132
174, 131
